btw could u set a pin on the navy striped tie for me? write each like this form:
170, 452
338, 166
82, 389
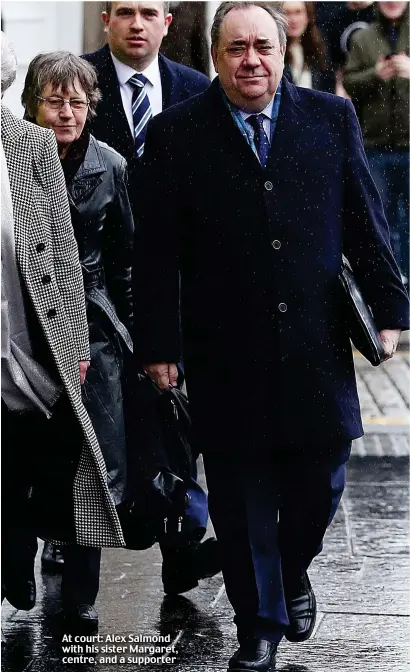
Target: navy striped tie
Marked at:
260, 138
141, 111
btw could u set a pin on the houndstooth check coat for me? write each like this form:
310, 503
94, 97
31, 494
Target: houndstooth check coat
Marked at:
45, 245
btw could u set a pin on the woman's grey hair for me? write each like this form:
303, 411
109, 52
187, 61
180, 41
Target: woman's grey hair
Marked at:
273, 9
61, 69
8, 63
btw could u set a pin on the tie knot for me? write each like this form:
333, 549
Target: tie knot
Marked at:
256, 121
138, 80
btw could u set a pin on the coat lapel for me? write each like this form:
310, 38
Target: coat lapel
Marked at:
171, 83
289, 127
17, 150
112, 100
88, 176
233, 142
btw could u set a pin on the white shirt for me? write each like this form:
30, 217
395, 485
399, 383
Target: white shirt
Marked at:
267, 119
153, 87
301, 76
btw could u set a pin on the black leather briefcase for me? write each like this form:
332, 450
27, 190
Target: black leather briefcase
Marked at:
360, 322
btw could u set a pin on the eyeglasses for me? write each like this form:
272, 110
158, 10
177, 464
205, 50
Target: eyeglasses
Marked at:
57, 103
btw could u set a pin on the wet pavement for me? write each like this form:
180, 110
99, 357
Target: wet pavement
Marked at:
361, 579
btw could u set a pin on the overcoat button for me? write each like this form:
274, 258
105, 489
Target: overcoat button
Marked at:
268, 186
40, 247
283, 307
276, 244
52, 312
46, 279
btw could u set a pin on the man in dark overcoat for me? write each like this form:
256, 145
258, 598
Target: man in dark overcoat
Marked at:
263, 186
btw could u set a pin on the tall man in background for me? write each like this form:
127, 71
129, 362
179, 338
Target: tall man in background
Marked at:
137, 82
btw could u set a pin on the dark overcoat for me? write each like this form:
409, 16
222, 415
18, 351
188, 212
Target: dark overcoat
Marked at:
254, 255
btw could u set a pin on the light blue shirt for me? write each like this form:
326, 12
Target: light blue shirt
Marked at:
271, 113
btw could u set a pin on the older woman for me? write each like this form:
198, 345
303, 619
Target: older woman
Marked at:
61, 93
305, 57
49, 447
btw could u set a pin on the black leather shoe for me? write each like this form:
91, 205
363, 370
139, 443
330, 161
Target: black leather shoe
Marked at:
301, 608
182, 568
81, 618
52, 560
21, 594
254, 655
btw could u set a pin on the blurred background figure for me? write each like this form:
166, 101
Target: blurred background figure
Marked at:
337, 22
61, 93
305, 58
186, 41
377, 76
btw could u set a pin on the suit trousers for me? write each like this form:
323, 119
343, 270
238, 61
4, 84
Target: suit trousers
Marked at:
39, 461
270, 514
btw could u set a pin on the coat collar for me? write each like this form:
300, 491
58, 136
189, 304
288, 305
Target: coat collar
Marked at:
93, 163
88, 176
288, 125
12, 128
18, 149
170, 81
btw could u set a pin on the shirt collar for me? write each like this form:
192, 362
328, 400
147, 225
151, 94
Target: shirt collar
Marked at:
124, 72
267, 111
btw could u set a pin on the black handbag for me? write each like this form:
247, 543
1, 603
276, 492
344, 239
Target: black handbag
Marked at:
160, 466
361, 327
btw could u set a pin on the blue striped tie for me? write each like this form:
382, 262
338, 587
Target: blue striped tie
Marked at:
141, 111
260, 137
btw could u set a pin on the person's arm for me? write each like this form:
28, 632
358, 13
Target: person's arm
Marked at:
66, 261
156, 258
117, 252
360, 79
366, 236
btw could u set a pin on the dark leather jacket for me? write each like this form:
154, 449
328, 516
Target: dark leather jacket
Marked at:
104, 227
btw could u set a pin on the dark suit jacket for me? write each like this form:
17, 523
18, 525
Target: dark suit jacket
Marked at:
256, 253
186, 40
111, 126
322, 80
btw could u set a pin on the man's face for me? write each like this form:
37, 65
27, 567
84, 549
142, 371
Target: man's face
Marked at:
248, 58
135, 31
392, 10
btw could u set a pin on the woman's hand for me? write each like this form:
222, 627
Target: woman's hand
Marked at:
83, 370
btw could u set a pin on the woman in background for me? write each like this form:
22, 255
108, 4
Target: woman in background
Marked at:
305, 57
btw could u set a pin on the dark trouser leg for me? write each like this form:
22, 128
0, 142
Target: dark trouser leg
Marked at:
19, 434
81, 575
243, 505
400, 197
312, 488
390, 171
